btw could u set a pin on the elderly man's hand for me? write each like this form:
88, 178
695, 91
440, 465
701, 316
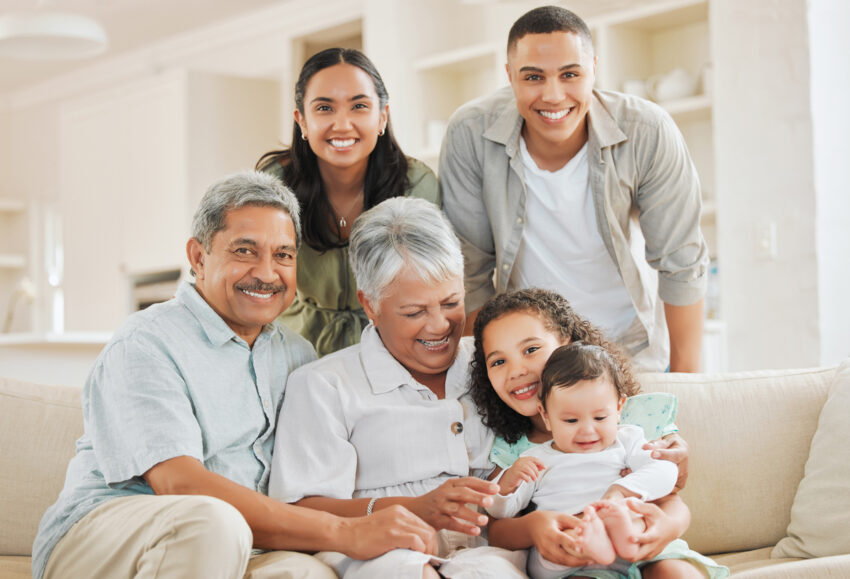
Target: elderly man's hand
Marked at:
446, 506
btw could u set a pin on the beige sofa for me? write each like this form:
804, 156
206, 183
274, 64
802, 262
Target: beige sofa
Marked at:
750, 436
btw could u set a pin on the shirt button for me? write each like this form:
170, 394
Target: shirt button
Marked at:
457, 427
519, 220
505, 267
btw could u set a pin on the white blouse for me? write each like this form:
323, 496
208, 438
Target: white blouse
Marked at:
356, 423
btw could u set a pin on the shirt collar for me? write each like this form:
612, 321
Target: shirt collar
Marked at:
216, 329
385, 373
505, 128
603, 129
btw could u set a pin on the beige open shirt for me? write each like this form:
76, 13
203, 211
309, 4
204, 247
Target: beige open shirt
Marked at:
646, 195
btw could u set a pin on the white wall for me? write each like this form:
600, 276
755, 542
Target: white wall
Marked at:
830, 86
765, 177
780, 136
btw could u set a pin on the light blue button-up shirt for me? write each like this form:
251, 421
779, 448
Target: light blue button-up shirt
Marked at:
174, 380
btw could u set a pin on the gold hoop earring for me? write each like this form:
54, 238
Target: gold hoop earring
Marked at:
303, 137
381, 132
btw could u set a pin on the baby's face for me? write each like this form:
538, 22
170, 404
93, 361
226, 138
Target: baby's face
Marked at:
516, 347
583, 417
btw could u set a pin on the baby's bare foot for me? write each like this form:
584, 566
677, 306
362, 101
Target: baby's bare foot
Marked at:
594, 541
619, 523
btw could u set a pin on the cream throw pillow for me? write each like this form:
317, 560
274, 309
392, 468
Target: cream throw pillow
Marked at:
820, 517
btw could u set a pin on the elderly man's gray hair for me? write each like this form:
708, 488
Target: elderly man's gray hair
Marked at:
246, 189
402, 232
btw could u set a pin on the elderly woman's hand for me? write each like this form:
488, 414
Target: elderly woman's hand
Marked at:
394, 527
446, 506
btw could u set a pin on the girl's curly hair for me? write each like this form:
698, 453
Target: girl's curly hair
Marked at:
558, 317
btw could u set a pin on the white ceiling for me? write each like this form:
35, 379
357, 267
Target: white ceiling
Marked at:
128, 23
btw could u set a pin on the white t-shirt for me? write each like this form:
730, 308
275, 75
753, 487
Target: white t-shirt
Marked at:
561, 248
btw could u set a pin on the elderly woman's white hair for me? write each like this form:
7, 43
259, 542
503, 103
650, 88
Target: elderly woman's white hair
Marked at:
397, 233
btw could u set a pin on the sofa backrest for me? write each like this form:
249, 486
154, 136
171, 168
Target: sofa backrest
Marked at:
38, 428
749, 435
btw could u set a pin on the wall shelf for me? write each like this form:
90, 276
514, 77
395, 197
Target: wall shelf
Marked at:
50, 338
12, 261
695, 107
459, 59
12, 206
449, 79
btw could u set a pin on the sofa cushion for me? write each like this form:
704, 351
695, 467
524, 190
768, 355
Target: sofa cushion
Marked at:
15, 567
38, 427
749, 435
820, 517
758, 565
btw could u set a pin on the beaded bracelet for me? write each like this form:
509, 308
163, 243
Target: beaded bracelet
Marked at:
371, 506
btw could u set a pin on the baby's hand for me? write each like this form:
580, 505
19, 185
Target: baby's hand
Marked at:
525, 469
617, 493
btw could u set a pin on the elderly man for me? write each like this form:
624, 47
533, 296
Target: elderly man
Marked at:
542, 182
171, 474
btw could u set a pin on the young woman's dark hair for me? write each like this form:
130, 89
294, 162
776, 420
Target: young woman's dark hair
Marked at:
386, 174
559, 318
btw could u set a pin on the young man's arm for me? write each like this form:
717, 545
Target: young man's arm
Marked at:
462, 184
280, 526
669, 200
684, 324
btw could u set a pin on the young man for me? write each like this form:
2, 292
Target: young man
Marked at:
543, 182
171, 474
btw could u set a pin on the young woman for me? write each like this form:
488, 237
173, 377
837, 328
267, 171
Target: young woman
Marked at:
343, 160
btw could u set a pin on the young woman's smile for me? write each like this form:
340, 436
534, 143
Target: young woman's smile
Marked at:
342, 116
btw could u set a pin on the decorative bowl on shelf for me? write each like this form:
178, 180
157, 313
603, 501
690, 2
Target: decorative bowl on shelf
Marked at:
676, 84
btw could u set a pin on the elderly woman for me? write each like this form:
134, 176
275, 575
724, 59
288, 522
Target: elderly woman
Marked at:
390, 421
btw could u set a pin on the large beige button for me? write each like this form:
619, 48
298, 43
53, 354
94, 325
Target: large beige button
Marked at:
457, 427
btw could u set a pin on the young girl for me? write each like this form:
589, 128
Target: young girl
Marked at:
515, 333
582, 393
343, 160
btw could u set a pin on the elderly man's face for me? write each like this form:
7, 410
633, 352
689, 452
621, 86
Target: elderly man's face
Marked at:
420, 323
248, 277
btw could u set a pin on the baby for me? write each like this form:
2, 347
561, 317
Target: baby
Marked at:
579, 470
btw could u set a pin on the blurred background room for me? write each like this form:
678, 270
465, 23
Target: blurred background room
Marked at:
104, 156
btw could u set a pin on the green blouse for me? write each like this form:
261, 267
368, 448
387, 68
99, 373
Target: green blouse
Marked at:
325, 309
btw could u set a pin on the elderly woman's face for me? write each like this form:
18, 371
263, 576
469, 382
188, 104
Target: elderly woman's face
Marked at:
421, 324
